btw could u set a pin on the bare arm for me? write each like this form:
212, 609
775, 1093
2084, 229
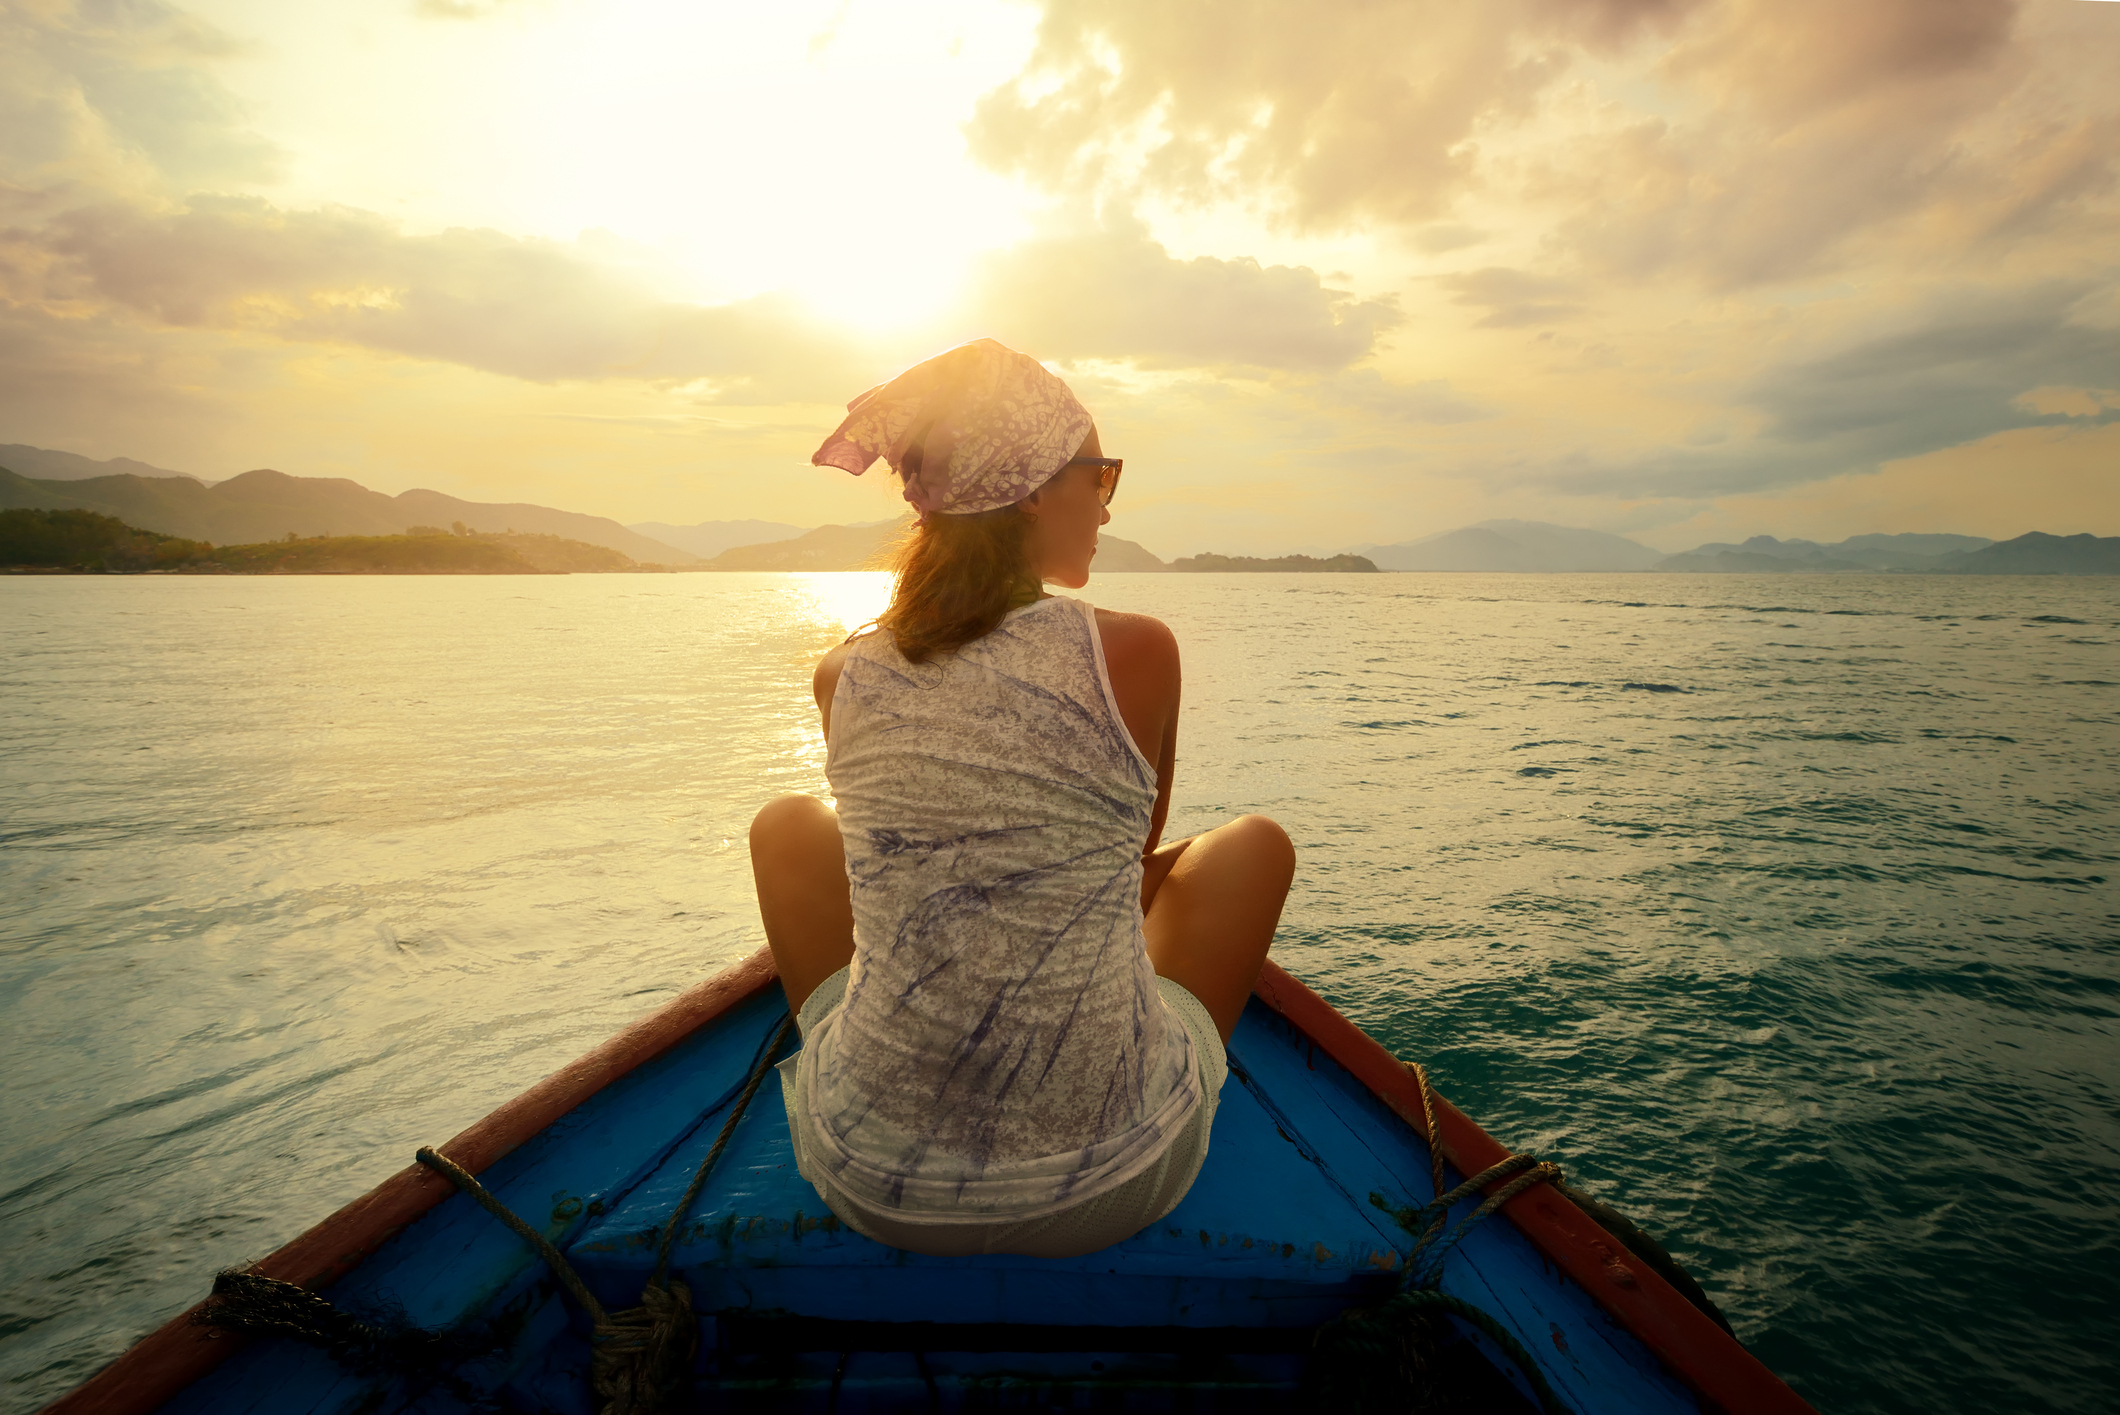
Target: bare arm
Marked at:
824, 682
1142, 656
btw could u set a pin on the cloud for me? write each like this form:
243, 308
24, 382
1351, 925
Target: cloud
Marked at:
1513, 298
545, 310
527, 308
457, 9
2058, 401
1963, 370
1444, 236
118, 118
1736, 142
1342, 111
1365, 392
1116, 294
1822, 138
119, 95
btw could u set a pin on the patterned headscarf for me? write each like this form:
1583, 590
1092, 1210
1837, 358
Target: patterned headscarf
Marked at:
991, 426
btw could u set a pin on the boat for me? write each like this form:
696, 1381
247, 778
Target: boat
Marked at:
1276, 1282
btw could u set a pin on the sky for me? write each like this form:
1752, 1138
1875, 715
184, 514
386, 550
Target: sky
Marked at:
1327, 274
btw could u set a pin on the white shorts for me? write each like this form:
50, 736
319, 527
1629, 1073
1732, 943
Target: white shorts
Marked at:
1095, 1223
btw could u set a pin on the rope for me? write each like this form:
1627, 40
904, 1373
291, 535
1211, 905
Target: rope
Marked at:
639, 1356
1424, 1266
480, 1195
759, 1067
1420, 1292
1378, 1333
388, 1345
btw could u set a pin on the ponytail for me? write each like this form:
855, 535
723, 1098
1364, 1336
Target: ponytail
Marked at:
958, 577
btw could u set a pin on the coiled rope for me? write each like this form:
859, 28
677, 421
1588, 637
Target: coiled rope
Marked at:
1382, 1332
386, 1346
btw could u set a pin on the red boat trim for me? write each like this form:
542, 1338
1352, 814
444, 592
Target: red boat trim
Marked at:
1720, 1371
177, 1353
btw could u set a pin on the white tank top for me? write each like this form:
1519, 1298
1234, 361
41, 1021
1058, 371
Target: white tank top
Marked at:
1002, 1049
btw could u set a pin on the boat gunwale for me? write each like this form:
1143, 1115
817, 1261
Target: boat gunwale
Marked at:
1714, 1365
180, 1352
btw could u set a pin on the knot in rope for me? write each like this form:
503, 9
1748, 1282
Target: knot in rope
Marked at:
1393, 1332
640, 1356
1424, 1265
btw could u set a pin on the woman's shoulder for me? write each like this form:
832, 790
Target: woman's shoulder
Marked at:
825, 681
1136, 642
1143, 631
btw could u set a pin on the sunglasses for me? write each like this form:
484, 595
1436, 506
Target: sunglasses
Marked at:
1108, 478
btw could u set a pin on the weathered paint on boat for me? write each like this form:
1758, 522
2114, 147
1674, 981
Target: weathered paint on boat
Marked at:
1278, 1235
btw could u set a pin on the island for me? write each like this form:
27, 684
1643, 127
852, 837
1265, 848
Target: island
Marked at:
1279, 565
72, 541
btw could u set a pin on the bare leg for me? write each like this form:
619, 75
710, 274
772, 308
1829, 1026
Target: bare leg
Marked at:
801, 871
1212, 903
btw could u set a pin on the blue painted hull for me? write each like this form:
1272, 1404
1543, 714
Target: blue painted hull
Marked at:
1212, 1308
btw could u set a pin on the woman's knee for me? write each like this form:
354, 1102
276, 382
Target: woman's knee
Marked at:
790, 819
1264, 843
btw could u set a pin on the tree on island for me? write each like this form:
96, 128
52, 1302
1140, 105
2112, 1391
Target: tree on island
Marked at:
1281, 564
87, 540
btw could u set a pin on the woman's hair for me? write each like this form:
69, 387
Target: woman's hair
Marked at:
957, 577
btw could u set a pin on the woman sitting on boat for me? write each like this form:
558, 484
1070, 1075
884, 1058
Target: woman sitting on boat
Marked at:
1013, 997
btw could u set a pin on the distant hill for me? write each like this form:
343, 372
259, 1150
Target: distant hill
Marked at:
443, 554
35, 539
74, 540
1764, 555
47, 465
1520, 547
707, 539
265, 505
868, 548
556, 555
2038, 554
1123, 557
826, 548
1909, 545
1282, 564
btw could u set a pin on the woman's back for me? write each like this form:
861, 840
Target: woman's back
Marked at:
1002, 1028
1014, 997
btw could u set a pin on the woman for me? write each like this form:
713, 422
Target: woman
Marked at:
1013, 998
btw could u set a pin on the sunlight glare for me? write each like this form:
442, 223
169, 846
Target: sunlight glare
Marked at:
847, 599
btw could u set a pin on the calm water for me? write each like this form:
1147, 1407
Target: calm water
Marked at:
1810, 966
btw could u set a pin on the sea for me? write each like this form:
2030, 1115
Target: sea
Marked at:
1781, 912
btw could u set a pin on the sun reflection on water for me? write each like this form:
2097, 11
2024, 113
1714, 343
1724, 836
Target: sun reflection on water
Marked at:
848, 599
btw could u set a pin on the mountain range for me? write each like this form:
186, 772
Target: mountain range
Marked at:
267, 505
1766, 555
707, 539
47, 465
865, 548
1519, 546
